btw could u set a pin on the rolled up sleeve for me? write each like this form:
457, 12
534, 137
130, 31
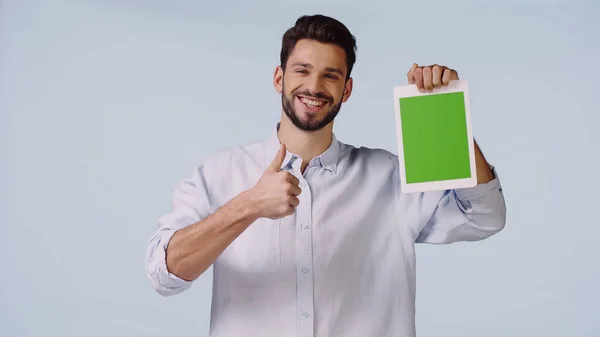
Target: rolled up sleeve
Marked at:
190, 204
466, 214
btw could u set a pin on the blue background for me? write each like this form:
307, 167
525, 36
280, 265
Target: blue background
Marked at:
106, 105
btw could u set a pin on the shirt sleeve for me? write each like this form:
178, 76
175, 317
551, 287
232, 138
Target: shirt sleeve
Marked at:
467, 214
190, 204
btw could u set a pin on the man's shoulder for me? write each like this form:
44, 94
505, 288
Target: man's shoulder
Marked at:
234, 156
366, 153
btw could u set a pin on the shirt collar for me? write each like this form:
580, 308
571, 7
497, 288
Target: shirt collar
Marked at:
327, 160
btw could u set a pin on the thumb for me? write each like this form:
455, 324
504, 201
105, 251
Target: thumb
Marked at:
278, 160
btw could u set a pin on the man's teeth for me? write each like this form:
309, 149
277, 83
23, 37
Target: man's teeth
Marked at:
311, 103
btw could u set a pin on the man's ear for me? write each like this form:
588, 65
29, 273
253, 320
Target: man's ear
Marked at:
278, 79
347, 90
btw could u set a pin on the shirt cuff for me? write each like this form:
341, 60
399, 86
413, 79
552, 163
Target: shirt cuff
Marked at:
165, 278
480, 190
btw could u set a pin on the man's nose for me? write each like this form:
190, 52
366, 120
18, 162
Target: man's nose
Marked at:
314, 84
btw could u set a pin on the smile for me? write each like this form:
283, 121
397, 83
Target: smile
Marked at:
311, 103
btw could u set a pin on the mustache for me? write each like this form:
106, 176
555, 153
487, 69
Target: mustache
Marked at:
318, 95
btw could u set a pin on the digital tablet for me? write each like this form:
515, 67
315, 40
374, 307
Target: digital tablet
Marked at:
435, 139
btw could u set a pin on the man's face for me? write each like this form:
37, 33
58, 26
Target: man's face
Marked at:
314, 84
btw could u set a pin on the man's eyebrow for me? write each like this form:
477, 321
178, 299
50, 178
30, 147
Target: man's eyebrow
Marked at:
328, 69
305, 65
335, 70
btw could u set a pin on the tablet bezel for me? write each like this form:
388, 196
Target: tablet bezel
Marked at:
411, 90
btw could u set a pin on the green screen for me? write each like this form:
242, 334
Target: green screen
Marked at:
435, 140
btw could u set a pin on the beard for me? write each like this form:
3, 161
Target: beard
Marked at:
311, 124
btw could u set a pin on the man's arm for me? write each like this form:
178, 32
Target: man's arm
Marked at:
191, 237
484, 171
193, 249
466, 214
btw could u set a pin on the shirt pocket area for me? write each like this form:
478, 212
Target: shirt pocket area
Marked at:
256, 251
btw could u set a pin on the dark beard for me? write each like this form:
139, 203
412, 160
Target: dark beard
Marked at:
311, 125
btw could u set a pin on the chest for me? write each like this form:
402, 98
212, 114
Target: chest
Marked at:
341, 220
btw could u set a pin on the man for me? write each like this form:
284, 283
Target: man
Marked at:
309, 236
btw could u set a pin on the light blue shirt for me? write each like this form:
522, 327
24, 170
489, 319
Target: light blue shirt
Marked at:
343, 264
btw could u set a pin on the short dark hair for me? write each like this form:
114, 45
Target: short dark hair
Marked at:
323, 29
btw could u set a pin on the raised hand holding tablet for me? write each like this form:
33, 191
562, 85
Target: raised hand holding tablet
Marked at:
429, 77
435, 137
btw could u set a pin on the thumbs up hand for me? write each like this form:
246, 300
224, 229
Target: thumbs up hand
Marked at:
275, 194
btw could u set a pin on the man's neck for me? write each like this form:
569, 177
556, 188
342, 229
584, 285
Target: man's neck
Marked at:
305, 144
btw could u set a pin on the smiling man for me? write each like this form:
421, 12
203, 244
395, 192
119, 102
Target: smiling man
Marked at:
307, 235
319, 105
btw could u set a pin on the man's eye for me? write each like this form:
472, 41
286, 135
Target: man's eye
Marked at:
333, 77
301, 71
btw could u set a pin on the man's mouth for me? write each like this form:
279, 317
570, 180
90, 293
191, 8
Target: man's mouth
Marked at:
311, 103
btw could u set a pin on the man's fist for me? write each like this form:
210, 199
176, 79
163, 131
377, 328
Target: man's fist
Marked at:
429, 77
275, 194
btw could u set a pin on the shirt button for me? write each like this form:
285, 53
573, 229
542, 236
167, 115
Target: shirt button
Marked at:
305, 226
305, 270
305, 314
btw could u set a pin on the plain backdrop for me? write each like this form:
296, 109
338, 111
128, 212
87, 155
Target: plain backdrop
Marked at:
106, 105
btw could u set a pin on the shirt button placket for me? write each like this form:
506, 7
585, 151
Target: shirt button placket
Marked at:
304, 260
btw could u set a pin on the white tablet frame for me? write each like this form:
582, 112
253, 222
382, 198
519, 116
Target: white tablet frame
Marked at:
411, 91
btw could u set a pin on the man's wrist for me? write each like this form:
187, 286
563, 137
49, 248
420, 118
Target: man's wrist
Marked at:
247, 207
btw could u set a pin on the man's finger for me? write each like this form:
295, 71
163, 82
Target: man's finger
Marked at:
446, 77
427, 79
278, 160
411, 74
292, 179
293, 201
291, 209
449, 75
295, 190
418, 74
436, 76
